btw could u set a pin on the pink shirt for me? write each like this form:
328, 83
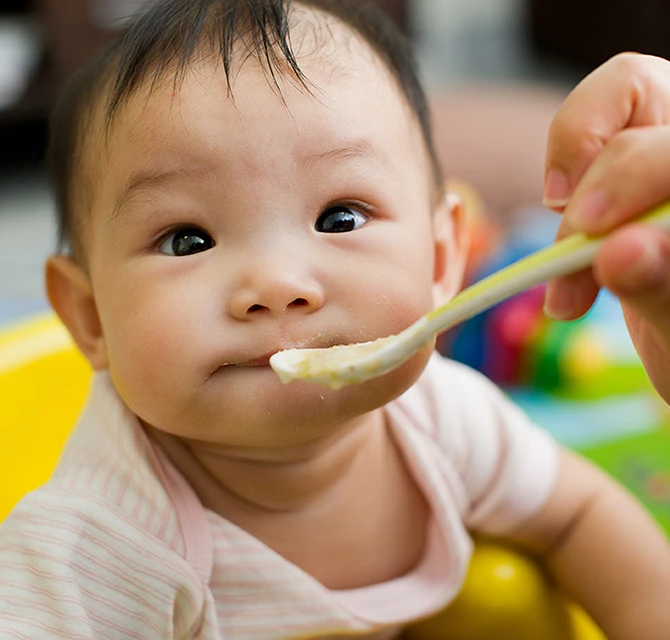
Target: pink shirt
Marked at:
117, 545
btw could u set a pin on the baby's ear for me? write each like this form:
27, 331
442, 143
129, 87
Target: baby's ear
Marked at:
71, 296
451, 247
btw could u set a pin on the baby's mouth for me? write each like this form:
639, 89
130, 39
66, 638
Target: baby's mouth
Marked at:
263, 361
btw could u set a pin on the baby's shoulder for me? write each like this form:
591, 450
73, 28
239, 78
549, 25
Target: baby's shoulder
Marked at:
451, 391
461, 411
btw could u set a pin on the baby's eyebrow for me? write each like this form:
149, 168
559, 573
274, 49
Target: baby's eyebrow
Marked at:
360, 148
153, 178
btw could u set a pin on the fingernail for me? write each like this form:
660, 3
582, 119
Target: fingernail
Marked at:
558, 302
590, 213
556, 190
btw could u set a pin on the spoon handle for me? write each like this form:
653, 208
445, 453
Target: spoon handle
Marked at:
572, 254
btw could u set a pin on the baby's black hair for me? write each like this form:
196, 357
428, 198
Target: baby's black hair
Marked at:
166, 35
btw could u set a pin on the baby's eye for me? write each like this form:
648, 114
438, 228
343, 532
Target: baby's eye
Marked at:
185, 242
340, 219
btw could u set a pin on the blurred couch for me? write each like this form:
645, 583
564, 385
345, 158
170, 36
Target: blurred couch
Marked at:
588, 32
494, 137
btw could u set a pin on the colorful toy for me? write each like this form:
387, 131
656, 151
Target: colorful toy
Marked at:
496, 341
517, 346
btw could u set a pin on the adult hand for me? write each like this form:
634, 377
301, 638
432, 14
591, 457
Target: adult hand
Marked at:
608, 161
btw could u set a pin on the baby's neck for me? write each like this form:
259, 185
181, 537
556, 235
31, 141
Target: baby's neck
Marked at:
350, 498
274, 481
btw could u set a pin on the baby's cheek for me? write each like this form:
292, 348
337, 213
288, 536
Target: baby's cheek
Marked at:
144, 367
407, 306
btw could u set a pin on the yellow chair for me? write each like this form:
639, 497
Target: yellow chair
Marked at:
507, 596
43, 384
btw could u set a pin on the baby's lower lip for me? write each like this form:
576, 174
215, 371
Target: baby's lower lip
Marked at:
259, 362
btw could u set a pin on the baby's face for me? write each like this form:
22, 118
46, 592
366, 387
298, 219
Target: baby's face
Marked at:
227, 229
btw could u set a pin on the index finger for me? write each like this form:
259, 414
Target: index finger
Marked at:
629, 90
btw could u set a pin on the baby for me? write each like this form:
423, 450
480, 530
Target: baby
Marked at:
236, 177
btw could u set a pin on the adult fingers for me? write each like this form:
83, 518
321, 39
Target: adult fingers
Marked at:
634, 263
627, 91
628, 177
571, 296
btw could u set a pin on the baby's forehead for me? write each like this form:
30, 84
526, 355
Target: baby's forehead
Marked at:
336, 86
329, 53
200, 124
345, 77
325, 49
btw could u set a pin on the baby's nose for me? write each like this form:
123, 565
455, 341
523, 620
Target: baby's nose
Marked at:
272, 290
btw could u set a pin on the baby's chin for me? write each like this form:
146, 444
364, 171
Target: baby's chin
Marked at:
256, 410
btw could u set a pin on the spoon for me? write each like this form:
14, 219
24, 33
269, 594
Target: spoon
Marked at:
341, 365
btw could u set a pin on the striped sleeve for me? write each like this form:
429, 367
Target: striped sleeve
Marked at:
75, 566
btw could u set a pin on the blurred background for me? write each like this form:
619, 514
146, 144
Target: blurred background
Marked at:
496, 71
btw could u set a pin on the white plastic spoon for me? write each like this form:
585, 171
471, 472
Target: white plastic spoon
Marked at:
341, 365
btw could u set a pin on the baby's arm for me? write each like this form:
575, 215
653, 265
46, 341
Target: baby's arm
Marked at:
605, 550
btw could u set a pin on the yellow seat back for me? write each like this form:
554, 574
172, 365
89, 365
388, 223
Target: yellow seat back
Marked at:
43, 384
